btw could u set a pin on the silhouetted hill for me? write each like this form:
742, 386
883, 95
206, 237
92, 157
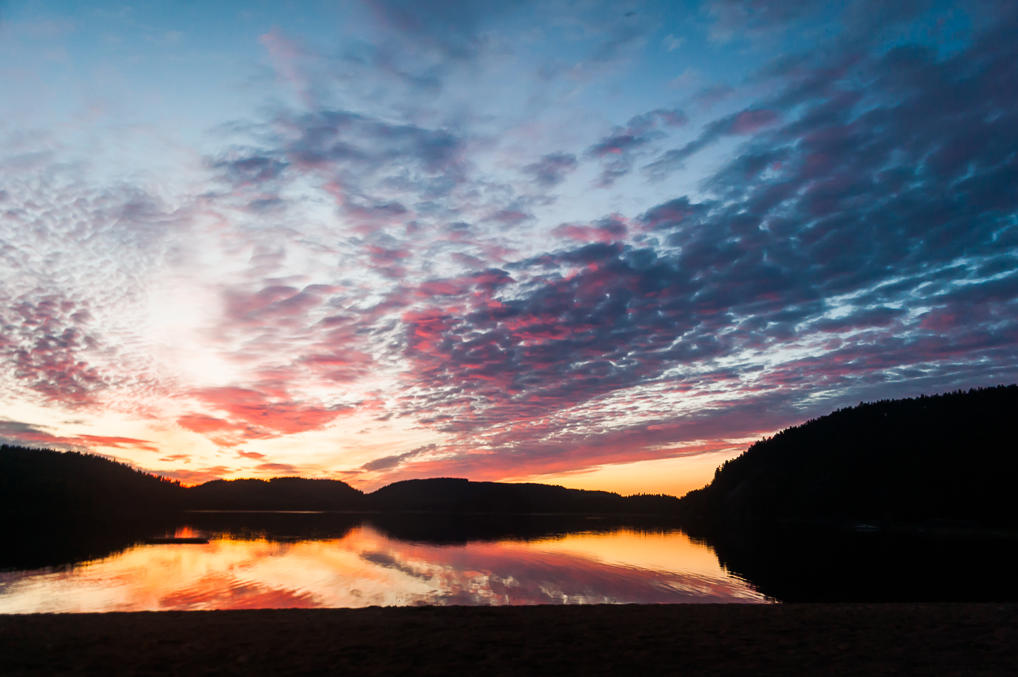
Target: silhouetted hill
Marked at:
946, 458
40, 483
454, 495
279, 493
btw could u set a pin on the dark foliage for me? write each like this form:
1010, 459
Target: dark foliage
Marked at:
947, 459
40, 483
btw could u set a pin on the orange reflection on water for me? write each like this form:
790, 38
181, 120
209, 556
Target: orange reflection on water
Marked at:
365, 568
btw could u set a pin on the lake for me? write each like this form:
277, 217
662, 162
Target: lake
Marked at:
285, 560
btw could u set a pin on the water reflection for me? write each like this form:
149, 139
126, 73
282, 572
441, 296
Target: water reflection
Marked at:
337, 561
890, 564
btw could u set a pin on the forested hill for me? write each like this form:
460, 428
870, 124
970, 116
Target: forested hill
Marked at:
41, 483
455, 495
950, 457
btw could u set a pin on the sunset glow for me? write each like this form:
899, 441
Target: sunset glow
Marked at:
605, 245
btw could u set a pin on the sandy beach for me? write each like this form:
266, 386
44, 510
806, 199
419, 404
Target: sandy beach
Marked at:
870, 639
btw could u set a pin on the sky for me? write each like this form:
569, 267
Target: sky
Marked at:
599, 244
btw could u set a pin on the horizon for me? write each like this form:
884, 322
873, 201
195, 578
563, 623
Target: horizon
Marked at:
605, 246
88, 452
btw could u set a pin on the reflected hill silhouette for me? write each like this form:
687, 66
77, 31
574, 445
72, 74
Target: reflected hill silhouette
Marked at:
270, 525
821, 564
459, 529
36, 545
49, 544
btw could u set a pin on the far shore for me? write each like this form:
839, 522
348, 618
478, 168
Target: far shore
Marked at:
845, 639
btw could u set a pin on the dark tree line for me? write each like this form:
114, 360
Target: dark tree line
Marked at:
39, 483
948, 458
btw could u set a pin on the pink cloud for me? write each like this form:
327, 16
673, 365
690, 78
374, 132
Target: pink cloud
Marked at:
117, 442
750, 121
253, 415
578, 233
271, 303
200, 423
284, 55
254, 455
193, 477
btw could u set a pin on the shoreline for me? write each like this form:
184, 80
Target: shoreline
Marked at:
888, 638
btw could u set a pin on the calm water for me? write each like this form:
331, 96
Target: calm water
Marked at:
364, 565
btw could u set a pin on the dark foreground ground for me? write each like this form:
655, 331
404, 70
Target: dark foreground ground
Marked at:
858, 639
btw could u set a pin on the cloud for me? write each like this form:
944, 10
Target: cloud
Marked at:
117, 442
618, 150
609, 229
551, 169
452, 30
744, 122
250, 455
197, 476
200, 423
249, 169
20, 432
253, 414
276, 303
840, 240
285, 56
279, 468
47, 346
389, 462
672, 42
352, 142
755, 18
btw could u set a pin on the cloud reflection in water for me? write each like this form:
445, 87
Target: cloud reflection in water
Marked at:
367, 568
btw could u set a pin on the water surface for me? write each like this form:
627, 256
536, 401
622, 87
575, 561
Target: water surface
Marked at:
364, 565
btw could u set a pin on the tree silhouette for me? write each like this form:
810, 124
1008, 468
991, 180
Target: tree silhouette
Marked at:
946, 457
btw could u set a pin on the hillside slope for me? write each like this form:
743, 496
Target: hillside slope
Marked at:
40, 482
949, 457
